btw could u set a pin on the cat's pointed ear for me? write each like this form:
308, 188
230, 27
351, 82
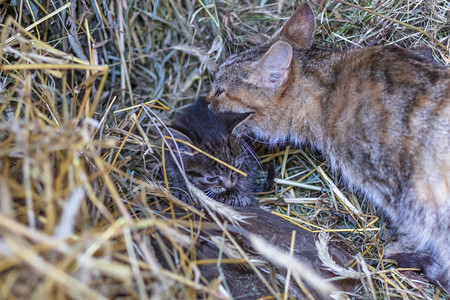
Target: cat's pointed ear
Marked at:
235, 120
175, 140
273, 69
299, 28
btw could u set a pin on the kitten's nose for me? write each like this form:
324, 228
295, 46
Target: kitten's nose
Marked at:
210, 106
226, 183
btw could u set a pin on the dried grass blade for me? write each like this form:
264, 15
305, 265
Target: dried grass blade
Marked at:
15, 227
299, 269
73, 286
298, 184
28, 28
347, 204
396, 21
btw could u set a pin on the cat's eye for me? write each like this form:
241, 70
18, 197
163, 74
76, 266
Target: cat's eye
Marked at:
218, 92
211, 178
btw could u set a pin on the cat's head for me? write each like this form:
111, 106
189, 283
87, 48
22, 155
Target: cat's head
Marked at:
212, 177
256, 79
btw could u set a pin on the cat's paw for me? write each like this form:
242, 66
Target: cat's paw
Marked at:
433, 269
438, 274
412, 260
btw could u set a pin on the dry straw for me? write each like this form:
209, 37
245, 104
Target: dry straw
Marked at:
85, 212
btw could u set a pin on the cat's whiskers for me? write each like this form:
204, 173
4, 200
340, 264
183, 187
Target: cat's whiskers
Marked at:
239, 186
210, 193
249, 149
254, 139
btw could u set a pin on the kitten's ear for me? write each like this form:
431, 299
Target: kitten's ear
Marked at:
273, 69
234, 120
170, 133
299, 28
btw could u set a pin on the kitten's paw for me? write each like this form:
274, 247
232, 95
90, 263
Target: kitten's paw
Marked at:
238, 200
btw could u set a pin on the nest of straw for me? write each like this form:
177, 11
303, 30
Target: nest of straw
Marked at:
85, 87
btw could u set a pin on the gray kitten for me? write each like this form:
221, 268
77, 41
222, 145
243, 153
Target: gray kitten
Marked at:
380, 115
213, 133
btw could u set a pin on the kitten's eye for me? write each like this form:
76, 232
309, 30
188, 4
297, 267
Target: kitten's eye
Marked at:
218, 92
211, 179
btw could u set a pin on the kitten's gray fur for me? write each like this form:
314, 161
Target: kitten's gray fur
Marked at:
213, 133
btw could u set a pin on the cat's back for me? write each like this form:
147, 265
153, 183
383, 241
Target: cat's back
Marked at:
395, 85
397, 69
401, 101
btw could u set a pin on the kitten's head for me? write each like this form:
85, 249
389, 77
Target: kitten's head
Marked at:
212, 133
256, 79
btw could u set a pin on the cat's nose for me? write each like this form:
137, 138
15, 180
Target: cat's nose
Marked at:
227, 183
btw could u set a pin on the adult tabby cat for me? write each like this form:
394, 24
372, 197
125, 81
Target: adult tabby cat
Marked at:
213, 133
381, 116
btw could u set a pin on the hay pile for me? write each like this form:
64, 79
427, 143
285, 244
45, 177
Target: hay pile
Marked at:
84, 89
